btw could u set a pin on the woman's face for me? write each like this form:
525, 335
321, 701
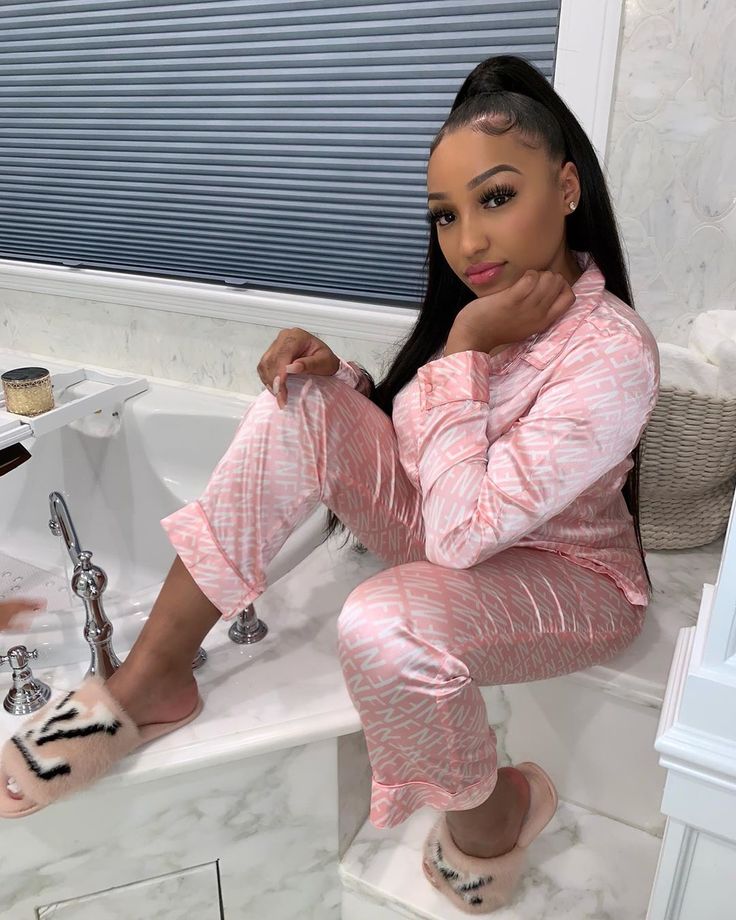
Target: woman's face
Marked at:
498, 202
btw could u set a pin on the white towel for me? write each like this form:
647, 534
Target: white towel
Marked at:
726, 355
713, 338
709, 329
682, 368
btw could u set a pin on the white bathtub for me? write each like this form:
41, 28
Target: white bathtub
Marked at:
120, 478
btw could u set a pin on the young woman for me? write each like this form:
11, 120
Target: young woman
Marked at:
494, 469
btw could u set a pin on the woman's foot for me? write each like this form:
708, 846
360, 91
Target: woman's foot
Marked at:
154, 692
493, 828
147, 694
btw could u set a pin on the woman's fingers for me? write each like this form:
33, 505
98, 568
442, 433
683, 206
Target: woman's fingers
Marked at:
547, 289
289, 345
295, 351
314, 360
12, 612
562, 302
319, 360
279, 389
294, 367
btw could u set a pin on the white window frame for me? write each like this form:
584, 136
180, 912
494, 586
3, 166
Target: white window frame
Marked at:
585, 67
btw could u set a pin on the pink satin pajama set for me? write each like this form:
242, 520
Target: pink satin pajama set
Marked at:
494, 494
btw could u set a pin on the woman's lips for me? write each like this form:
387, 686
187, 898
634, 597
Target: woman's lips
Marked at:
488, 274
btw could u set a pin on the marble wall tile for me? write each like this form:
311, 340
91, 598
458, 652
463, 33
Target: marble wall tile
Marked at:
670, 150
270, 820
192, 349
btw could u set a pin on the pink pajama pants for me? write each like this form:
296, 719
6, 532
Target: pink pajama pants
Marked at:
417, 639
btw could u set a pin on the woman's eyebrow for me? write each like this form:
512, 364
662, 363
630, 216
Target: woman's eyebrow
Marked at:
503, 167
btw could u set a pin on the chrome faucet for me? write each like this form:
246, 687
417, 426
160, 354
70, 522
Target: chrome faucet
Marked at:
89, 582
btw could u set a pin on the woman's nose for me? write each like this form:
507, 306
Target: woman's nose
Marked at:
473, 240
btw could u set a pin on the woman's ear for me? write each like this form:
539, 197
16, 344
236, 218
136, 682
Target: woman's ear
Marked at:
569, 187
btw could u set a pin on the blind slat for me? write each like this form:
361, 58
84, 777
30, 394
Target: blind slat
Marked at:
260, 267
222, 236
100, 214
231, 28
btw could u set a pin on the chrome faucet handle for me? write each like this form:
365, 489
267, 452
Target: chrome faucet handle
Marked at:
18, 656
248, 627
28, 693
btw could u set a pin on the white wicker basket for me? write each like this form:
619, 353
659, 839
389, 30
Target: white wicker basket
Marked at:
687, 470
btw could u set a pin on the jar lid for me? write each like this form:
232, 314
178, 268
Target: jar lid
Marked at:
24, 374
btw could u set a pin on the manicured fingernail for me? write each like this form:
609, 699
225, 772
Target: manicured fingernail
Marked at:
276, 385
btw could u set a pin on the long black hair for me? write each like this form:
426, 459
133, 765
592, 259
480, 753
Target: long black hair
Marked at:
506, 93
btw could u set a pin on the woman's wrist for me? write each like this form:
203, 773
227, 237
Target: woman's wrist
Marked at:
366, 385
457, 341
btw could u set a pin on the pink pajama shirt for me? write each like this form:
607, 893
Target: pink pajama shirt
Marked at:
494, 496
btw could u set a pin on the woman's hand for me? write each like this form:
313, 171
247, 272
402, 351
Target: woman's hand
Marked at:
295, 351
530, 305
10, 611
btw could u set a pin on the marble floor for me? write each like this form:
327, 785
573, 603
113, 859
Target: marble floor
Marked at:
582, 867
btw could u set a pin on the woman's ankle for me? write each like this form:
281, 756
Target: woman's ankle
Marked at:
158, 694
493, 827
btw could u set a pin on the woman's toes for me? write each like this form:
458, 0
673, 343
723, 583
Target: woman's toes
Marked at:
14, 790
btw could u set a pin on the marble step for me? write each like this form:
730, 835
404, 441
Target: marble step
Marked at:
597, 746
582, 867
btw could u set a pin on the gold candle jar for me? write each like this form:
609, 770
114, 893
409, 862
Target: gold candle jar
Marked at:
28, 391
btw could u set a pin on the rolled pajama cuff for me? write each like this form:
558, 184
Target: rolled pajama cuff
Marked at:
462, 376
191, 536
392, 805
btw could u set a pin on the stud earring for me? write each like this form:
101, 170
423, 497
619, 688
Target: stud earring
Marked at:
572, 205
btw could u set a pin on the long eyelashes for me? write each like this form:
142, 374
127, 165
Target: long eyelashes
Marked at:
500, 191
507, 192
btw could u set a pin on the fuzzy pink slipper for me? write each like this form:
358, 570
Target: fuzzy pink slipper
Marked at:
69, 744
480, 886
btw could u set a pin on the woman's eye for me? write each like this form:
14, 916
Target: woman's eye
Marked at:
497, 197
438, 217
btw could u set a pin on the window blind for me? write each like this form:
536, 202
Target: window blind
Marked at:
277, 145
